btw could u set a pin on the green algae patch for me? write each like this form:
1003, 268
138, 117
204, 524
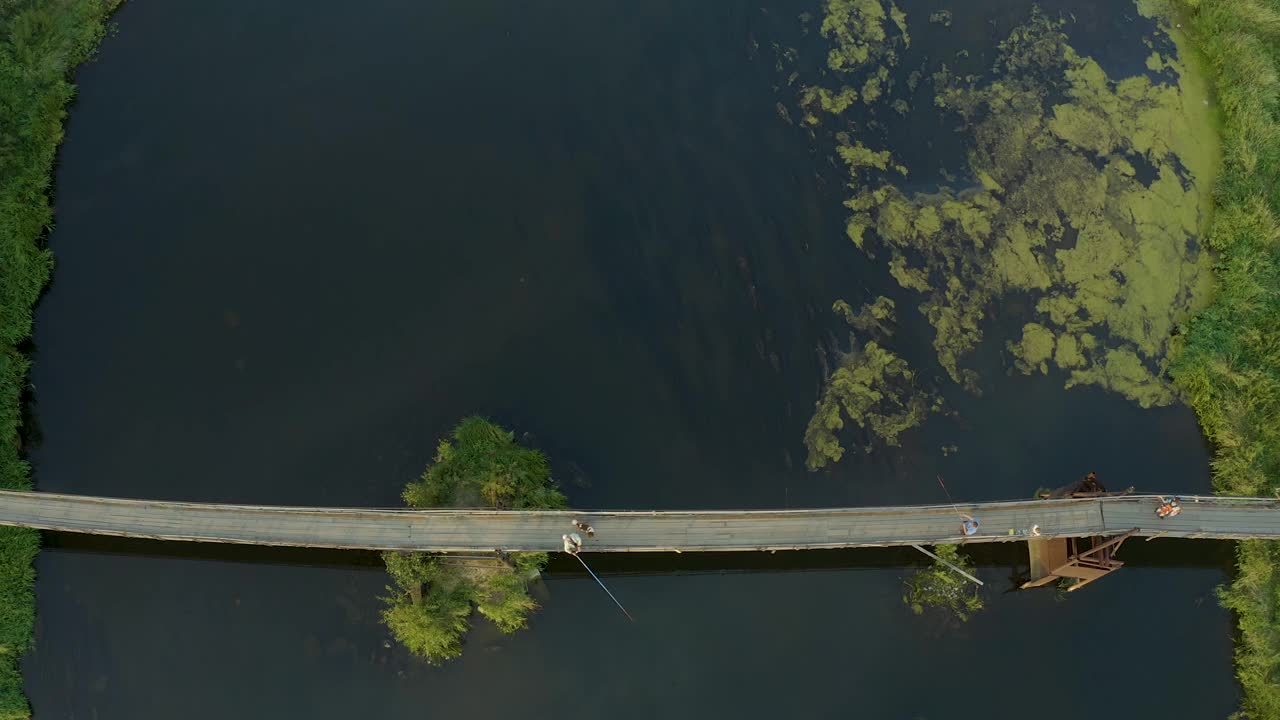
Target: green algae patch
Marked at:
871, 387
875, 318
865, 38
874, 389
859, 33
1067, 353
1036, 348
814, 99
1086, 195
1058, 212
856, 155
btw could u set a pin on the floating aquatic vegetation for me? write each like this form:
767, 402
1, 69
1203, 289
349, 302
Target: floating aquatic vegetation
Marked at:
814, 99
875, 318
862, 44
1086, 195
872, 387
1058, 211
856, 29
856, 155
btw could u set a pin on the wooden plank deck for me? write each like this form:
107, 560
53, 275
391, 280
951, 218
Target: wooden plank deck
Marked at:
633, 531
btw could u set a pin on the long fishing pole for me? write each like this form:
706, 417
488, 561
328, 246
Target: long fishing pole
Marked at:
602, 587
953, 502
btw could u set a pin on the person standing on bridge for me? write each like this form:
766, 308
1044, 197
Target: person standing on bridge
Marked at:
1168, 508
969, 524
572, 543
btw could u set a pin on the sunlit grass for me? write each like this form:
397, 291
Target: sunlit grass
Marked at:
1229, 364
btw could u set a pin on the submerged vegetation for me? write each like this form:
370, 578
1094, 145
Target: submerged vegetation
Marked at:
872, 387
428, 610
1097, 198
1229, 364
42, 43
860, 36
938, 586
1060, 212
1086, 195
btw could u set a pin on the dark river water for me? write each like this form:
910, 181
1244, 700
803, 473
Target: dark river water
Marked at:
295, 247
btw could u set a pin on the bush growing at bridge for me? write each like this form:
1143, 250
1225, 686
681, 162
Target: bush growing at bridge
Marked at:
41, 44
938, 586
428, 610
429, 613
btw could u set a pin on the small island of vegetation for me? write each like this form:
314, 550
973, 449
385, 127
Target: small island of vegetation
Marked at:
938, 586
479, 465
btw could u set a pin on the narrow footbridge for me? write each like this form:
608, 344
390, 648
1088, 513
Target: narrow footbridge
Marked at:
638, 531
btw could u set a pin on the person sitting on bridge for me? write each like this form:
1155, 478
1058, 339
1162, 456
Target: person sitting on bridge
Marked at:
1168, 508
969, 524
584, 527
572, 543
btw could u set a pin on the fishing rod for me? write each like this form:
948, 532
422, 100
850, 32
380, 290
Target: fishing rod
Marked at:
602, 587
953, 502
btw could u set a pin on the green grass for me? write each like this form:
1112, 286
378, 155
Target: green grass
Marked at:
478, 465
1228, 362
40, 44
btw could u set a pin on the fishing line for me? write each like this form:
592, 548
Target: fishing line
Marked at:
953, 502
602, 587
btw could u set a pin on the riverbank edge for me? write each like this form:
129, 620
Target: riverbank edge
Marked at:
43, 45
1228, 360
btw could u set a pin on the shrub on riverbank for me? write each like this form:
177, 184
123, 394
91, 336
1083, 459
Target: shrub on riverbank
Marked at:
41, 44
1229, 364
479, 465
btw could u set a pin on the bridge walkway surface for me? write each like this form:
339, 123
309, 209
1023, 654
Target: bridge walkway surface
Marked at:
636, 531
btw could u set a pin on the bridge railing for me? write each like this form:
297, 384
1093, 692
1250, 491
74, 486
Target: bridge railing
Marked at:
199, 505
1199, 499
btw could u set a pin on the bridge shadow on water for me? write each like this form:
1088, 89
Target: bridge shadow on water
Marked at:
1161, 552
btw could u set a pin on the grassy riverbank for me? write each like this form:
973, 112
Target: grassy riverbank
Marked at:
1229, 365
42, 43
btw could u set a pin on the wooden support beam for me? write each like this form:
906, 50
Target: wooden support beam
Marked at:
1113, 542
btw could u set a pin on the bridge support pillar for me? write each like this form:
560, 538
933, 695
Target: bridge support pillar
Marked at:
1081, 560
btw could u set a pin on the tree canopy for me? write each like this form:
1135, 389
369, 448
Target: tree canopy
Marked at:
938, 586
429, 609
